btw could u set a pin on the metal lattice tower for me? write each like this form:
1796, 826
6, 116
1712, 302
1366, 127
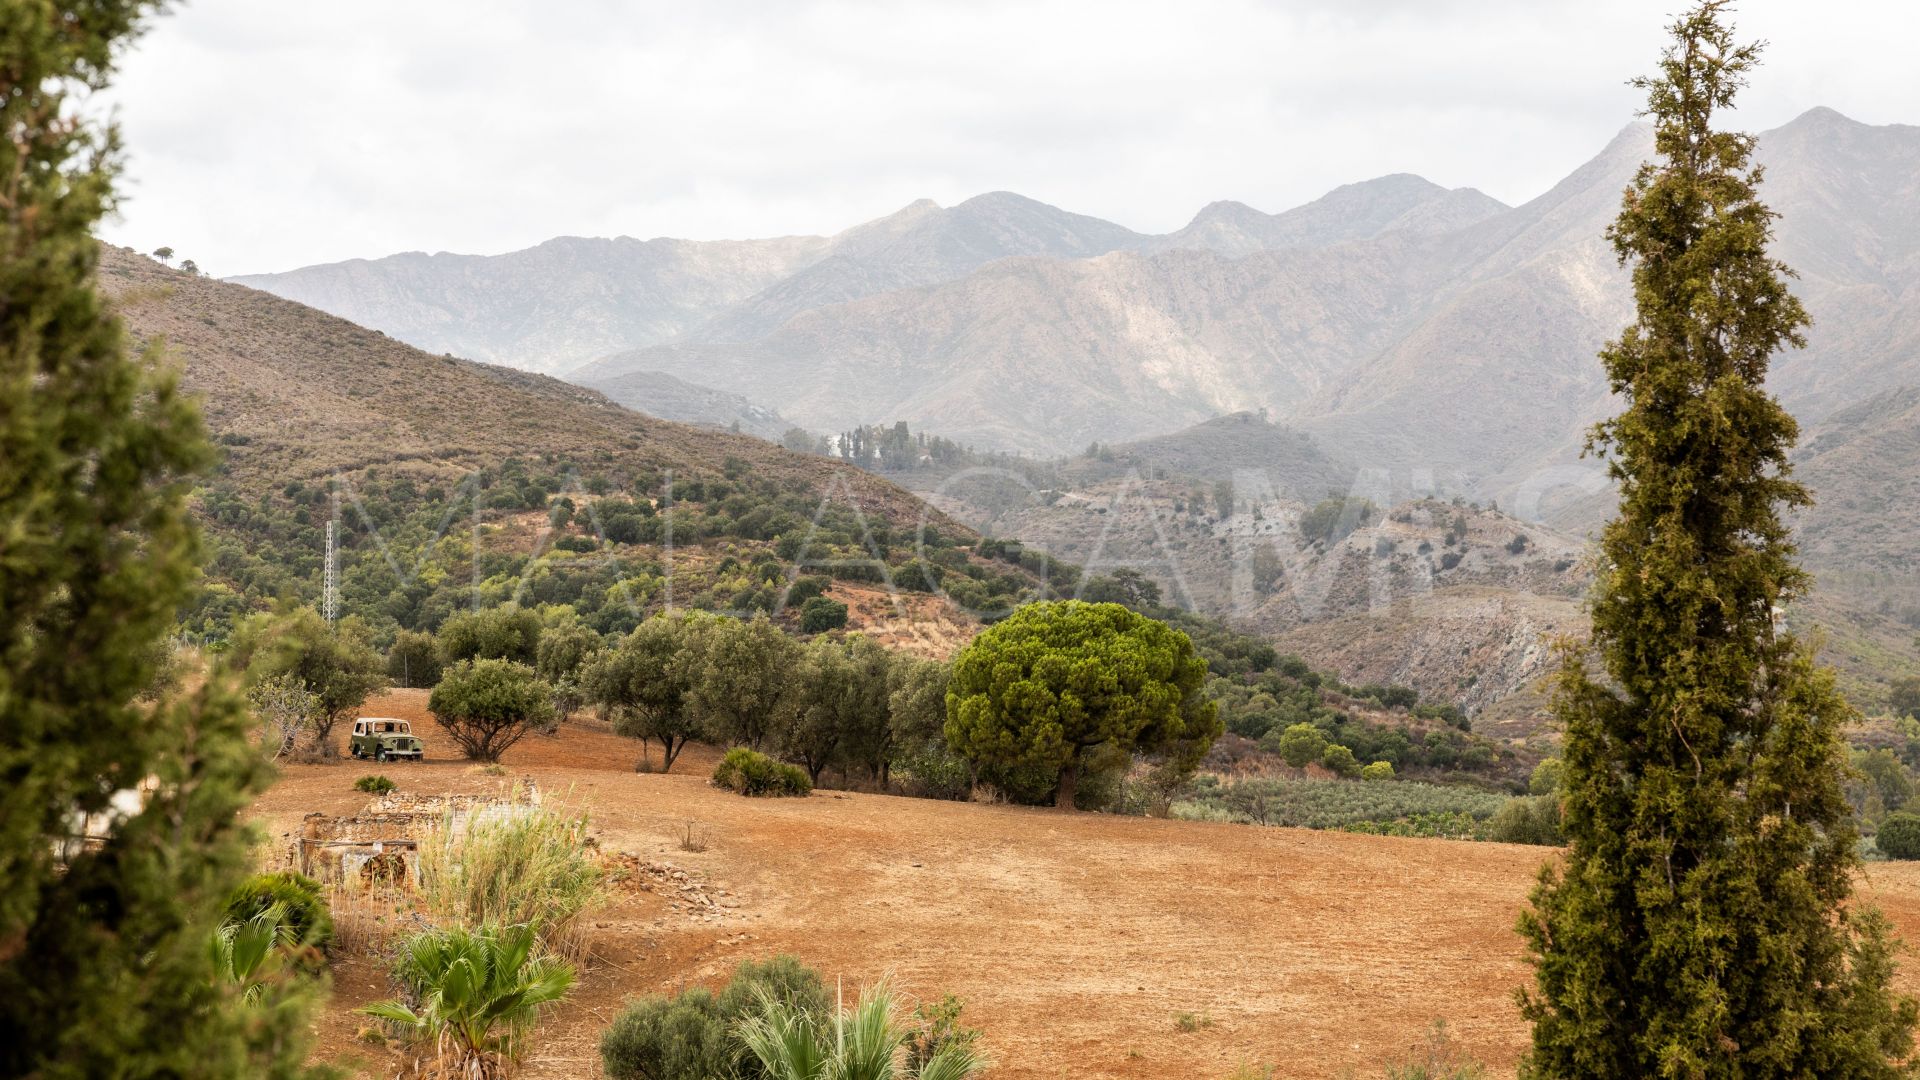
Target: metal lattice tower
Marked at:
330, 590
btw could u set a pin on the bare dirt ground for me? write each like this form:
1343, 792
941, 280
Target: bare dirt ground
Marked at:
1076, 940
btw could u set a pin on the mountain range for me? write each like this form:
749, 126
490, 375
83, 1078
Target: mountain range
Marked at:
1393, 334
1403, 324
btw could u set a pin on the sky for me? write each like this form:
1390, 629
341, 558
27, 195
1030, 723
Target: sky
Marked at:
264, 135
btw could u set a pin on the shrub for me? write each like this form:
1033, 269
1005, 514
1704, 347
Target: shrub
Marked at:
1379, 770
1546, 777
806, 588
783, 979
662, 1038
1527, 819
474, 993
1439, 1059
524, 865
1340, 761
936, 1029
861, 1043
374, 785
1191, 1022
749, 772
822, 613
303, 908
1899, 836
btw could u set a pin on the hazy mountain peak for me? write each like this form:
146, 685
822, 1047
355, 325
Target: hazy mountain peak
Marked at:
1822, 116
1349, 212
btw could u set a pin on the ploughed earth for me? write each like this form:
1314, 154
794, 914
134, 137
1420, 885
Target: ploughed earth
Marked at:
1078, 941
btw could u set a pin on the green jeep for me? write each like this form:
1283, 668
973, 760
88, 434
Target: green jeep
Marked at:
384, 739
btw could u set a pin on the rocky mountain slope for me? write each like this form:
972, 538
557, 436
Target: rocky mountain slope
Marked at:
659, 394
1466, 350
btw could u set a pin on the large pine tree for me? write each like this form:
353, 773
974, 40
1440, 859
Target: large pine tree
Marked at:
119, 829
1700, 924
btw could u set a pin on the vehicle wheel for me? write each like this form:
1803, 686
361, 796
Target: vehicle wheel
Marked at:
380, 754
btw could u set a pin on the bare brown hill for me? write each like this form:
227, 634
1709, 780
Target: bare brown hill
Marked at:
297, 394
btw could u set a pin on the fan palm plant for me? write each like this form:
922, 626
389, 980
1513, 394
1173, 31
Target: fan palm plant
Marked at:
476, 993
248, 953
861, 1043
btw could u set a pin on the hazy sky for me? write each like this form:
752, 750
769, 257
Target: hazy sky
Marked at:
269, 134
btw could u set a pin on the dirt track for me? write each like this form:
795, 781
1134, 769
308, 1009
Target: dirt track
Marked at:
1075, 940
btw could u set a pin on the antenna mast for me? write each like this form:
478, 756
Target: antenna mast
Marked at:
330, 590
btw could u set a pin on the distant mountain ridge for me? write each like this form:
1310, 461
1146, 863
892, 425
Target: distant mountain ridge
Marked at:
571, 300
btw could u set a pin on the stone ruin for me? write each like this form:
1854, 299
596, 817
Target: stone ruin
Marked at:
380, 845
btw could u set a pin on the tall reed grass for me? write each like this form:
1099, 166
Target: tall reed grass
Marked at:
516, 864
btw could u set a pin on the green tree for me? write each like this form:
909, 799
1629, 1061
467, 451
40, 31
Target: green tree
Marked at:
414, 659
1125, 586
1699, 925
838, 707
563, 650
1899, 836
1056, 682
822, 613
105, 968
646, 684
507, 632
164, 254
1301, 743
337, 664
742, 677
1546, 777
1905, 697
1340, 761
487, 705
1377, 770
917, 701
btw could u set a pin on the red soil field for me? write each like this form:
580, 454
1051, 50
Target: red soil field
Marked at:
1075, 939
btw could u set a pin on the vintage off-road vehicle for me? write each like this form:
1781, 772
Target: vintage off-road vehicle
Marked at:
382, 738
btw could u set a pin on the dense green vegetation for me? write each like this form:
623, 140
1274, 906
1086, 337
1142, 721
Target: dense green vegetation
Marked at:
749, 772
1700, 925
775, 1020
417, 547
121, 835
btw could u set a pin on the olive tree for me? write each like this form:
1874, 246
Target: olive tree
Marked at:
741, 680
1057, 682
488, 705
646, 683
337, 663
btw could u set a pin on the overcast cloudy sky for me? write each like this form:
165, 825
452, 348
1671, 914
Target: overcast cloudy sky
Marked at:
269, 134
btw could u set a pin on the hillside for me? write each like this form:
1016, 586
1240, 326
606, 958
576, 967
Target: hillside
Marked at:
661, 395
461, 483
297, 394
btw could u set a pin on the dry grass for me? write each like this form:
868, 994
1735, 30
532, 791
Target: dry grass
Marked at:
519, 864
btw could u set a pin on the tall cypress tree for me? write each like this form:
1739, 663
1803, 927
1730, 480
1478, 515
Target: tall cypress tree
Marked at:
119, 828
1699, 926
